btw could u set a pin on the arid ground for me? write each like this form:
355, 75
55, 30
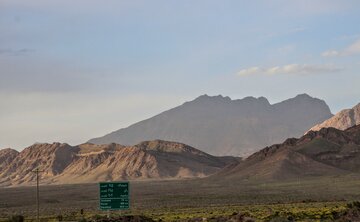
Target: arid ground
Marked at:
177, 199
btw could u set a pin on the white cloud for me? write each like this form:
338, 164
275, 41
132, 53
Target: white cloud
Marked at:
353, 49
330, 53
290, 69
249, 71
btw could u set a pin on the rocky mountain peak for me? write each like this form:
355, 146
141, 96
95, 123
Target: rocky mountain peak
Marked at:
6, 157
342, 120
207, 98
166, 146
303, 96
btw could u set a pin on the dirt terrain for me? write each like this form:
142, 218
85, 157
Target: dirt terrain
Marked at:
189, 198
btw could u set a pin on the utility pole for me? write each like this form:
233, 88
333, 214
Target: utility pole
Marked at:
37, 194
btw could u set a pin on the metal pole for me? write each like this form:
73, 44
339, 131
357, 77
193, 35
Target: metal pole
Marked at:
37, 195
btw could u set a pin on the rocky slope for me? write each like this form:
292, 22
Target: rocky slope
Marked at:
319, 153
87, 163
6, 157
342, 120
221, 126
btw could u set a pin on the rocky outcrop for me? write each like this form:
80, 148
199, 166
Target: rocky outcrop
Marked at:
6, 157
342, 120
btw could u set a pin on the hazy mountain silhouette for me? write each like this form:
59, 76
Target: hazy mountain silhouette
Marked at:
221, 126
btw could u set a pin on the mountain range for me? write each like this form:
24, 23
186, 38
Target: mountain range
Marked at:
221, 126
322, 151
328, 151
88, 163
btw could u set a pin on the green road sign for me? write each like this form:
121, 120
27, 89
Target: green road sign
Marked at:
114, 196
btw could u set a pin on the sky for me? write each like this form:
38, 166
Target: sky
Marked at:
74, 70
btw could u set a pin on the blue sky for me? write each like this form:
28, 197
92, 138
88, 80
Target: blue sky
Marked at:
73, 70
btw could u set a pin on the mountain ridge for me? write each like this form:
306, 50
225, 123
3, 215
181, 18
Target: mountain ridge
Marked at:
342, 120
61, 163
327, 152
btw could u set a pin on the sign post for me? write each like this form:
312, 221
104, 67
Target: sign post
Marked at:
114, 196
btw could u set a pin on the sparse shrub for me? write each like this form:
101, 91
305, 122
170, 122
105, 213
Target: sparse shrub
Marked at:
335, 215
97, 216
59, 217
290, 218
16, 218
349, 205
356, 204
308, 201
279, 219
